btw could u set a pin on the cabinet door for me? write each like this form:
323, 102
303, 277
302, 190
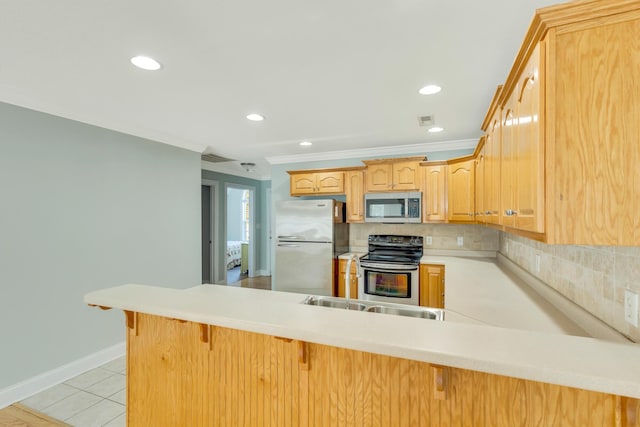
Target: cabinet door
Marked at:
406, 176
355, 195
379, 177
529, 197
341, 280
508, 159
432, 285
480, 186
304, 183
492, 171
434, 193
461, 191
329, 182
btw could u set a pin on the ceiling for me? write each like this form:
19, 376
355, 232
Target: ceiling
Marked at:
342, 74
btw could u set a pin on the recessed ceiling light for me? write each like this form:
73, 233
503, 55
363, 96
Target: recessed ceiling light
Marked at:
255, 117
306, 143
436, 129
430, 90
146, 63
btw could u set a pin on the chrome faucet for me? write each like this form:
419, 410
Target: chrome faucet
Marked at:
347, 276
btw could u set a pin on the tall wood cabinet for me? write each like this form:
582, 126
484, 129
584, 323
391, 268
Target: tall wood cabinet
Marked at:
461, 190
523, 150
492, 163
434, 192
354, 188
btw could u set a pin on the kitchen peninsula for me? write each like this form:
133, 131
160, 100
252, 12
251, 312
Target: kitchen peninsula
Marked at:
232, 356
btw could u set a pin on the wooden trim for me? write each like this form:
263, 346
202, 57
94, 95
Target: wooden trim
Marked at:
101, 307
440, 382
493, 106
132, 321
394, 160
557, 16
350, 168
434, 163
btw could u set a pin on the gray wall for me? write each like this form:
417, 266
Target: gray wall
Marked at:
84, 208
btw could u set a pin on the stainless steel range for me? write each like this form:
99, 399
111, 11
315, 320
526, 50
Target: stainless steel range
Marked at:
390, 271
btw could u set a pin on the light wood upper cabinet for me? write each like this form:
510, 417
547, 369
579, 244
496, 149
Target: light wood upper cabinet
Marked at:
434, 193
492, 170
432, 285
479, 164
354, 187
461, 191
305, 183
523, 150
393, 174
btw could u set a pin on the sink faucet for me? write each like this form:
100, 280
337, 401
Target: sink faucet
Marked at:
347, 276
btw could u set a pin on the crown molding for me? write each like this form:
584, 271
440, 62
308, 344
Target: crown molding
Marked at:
427, 147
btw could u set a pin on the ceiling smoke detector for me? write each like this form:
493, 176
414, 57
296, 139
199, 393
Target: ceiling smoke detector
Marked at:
427, 121
248, 166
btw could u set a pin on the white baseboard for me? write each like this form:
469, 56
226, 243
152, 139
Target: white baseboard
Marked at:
17, 392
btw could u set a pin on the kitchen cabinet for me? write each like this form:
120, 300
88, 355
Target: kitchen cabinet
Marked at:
325, 182
491, 185
570, 128
479, 164
522, 151
434, 192
461, 190
432, 285
184, 373
401, 174
342, 269
354, 187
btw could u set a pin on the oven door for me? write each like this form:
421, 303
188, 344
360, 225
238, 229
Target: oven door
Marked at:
389, 283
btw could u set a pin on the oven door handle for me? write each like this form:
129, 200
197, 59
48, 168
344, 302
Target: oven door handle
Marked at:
385, 269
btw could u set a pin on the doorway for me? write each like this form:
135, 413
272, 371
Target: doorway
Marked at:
240, 232
209, 228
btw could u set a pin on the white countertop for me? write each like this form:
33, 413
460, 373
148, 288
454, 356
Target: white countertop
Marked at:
547, 357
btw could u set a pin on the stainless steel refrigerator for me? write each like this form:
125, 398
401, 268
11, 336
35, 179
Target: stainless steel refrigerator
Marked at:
310, 235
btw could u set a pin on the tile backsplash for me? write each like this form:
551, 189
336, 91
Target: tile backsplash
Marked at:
594, 277
443, 236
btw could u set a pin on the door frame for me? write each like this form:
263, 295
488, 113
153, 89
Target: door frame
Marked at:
215, 229
252, 223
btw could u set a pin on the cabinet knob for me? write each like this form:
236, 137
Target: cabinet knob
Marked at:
510, 212
487, 213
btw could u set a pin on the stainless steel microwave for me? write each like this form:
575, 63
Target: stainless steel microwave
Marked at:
393, 207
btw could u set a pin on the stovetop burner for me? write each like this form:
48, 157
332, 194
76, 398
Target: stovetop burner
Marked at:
394, 249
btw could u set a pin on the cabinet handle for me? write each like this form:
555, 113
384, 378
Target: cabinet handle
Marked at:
487, 213
510, 212
470, 213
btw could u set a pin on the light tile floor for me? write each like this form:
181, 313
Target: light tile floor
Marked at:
95, 398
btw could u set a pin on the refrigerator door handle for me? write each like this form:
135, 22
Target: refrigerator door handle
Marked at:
288, 245
290, 238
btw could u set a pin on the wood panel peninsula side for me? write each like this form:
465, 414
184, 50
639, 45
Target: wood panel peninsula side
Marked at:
217, 355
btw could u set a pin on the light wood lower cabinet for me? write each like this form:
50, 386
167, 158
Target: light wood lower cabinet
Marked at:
432, 285
342, 268
189, 374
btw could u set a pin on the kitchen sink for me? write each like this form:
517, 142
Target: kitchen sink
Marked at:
376, 307
423, 313
334, 302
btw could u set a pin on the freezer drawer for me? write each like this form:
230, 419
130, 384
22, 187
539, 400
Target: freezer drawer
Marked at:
304, 267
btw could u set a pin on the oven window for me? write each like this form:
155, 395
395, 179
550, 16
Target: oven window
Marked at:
386, 284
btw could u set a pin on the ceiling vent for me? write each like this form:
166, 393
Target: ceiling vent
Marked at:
214, 158
427, 120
